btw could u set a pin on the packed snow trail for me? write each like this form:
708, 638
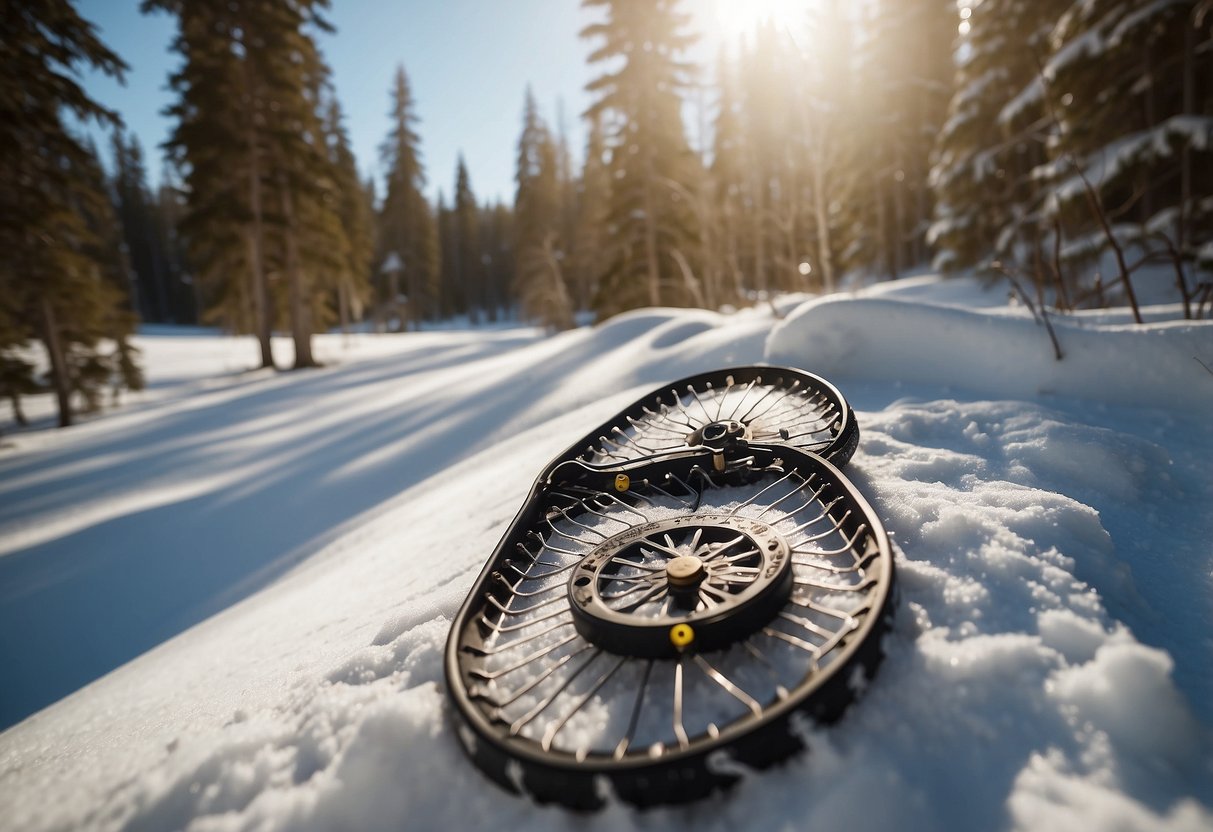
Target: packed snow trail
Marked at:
1049, 662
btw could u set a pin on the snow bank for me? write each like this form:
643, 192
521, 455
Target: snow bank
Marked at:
1006, 355
1048, 669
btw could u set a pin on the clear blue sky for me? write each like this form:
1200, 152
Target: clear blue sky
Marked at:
469, 62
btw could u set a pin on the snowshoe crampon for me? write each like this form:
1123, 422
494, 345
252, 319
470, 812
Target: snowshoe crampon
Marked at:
650, 625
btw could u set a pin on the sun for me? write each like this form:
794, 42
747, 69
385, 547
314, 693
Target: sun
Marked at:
738, 17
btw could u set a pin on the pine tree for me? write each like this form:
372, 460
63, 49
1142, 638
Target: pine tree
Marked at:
765, 104
451, 299
137, 212
469, 270
354, 209
250, 140
497, 254
906, 73
590, 232
729, 176
1129, 105
1086, 151
568, 186
58, 279
93, 374
184, 291
651, 163
219, 143
539, 256
407, 227
302, 185
832, 169
982, 172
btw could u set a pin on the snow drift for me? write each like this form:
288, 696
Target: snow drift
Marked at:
1006, 355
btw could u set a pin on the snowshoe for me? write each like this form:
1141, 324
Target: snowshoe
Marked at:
652, 623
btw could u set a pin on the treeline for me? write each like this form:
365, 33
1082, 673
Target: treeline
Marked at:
1064, 143
818, 163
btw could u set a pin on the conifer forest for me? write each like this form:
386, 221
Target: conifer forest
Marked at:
1064, 144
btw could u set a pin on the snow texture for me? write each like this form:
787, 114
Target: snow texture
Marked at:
289, 551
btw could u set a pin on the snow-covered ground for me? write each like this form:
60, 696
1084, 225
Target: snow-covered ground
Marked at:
252, 575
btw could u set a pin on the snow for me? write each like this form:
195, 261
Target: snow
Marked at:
1089, 43
1130, 25
1029, 97
1127, 153
289, 550
1004, 354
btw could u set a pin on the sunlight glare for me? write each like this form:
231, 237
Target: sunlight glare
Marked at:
734, 17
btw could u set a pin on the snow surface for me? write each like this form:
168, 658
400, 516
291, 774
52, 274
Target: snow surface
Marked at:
289, 550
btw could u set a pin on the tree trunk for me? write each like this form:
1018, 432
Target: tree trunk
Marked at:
1185, 168
821, 209
882, 225
397, 322
652, 265
54, 351
732, 258
301, 324
899, 212
560, 302
709, 248
343, 306
1147, 197
921, 212
14, 399
760, 235
261, 308
262, 324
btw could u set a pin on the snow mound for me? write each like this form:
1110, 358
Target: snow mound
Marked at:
1007, 355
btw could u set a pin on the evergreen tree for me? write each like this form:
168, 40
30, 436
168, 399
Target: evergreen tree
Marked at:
539, 256
148, 224
497, 255
451, 299
1127, 95
982, 174
184, 290
303, 184
220, 142
469, 270
140, 228
406, 225
728, 175
766, 96
1086, 151
568, 185
906, 73
250, 140
651, 163
354, 208
59, 281
832, 169
91, 373
590, 232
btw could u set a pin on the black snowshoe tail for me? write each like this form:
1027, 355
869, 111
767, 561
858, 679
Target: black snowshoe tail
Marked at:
774, 405
650, 628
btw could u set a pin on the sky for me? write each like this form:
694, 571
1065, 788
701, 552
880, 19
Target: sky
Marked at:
469, 62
